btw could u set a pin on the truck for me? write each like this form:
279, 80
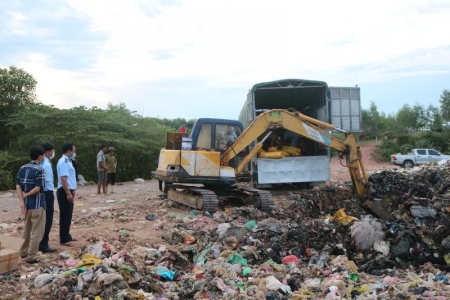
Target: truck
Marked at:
210, 164
338, 106
417, 157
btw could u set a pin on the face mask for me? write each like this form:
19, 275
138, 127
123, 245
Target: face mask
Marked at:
73, 156
53, 155
42, 162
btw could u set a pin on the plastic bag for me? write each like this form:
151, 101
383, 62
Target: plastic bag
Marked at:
165, 273
250, 224
237, 259
96, 249
290, 259
84, 278
43, 279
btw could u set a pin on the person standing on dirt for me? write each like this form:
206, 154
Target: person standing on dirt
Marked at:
49, 196
67, 184
102, 168
30, 183
111, 162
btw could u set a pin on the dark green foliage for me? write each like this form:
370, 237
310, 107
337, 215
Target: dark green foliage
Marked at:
137, 139
387, 148
406, 148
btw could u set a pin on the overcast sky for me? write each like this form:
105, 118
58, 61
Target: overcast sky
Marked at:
192, 59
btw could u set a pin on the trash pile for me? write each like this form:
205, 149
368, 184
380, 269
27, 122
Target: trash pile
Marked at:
315, 244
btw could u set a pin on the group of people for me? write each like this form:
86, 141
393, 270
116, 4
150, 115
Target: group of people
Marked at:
106, 167
35, 190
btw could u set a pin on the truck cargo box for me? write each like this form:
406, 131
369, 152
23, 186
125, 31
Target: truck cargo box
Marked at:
339, 106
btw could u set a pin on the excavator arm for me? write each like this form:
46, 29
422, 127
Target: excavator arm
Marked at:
306, 127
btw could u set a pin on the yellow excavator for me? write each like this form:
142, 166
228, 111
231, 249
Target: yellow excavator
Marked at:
199, 169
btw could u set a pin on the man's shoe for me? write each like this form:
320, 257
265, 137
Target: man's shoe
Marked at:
34, 261
48, 250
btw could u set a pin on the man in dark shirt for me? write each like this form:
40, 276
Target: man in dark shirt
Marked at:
30, 185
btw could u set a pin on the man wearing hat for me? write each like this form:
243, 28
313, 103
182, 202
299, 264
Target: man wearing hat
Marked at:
112, 163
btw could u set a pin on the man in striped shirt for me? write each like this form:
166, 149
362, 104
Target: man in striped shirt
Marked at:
30, 185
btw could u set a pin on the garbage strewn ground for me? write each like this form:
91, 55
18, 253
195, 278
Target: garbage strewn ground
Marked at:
316, 244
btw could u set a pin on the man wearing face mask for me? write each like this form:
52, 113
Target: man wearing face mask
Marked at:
30, 185
67, 185
49, 195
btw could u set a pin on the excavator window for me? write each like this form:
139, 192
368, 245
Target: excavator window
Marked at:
204, 137
225, 135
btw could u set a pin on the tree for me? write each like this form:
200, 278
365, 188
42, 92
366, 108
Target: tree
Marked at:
434, 116
445, 105
372, 120
406, 118
17, 91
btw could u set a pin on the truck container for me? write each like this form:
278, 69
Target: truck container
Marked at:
339, 106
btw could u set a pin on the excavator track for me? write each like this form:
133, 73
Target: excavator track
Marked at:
194, 197
265, 199
210, 201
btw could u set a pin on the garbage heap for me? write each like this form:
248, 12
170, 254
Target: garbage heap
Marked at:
315, 244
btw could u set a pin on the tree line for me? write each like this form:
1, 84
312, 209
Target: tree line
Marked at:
413, 126
25, 122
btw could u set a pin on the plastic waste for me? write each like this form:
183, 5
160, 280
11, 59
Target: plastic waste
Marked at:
419, 211
222, 229
95, 249
323, 259
388, 280
65, 254
354, 277
271, 283
84, 278
312, 282
165, 273
246, 271
250, 224
290, 259
71, 262
441, 277
43, 279
237, 259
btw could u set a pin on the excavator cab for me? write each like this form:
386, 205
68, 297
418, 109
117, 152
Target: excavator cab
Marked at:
214, 134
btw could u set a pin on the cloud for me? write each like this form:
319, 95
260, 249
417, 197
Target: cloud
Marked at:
156, 55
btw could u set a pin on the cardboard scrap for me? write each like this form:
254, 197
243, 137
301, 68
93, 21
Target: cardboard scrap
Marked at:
9, 253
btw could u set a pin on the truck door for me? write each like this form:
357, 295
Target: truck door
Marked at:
434, 155
345, 108
421, 156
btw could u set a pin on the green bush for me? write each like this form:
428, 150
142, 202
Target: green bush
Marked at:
6, 173
387, 148
425, 144
406, 148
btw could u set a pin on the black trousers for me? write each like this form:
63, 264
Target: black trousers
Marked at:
50, 201
112, 178
65, 215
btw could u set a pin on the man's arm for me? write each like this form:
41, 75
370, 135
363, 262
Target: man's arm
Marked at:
19, 191
65, 186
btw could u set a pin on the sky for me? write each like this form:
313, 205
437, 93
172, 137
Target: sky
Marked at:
199, 58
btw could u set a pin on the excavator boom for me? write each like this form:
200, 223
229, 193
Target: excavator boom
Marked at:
306, 127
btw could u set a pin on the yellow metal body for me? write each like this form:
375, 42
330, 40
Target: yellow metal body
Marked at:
306, 127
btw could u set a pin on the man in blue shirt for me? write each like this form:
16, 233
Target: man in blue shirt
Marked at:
67, 185
30, 185
49, 196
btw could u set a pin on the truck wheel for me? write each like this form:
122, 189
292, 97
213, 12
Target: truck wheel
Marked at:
408, 164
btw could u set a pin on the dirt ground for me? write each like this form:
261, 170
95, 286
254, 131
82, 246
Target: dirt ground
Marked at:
130, 204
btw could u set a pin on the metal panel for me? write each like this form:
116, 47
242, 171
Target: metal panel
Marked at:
293, 169
346, 108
